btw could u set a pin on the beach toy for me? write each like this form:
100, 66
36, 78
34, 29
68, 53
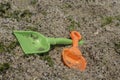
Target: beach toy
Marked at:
34, 42
72, 57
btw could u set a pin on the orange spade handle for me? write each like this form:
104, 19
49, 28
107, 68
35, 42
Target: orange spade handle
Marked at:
75, 37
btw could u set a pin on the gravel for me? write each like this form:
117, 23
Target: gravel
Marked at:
52, 18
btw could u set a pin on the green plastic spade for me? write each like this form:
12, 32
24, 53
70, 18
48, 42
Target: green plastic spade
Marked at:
34, 42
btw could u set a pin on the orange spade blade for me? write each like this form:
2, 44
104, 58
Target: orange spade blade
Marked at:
73, 61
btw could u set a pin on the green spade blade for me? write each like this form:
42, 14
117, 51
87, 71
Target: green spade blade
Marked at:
34, 42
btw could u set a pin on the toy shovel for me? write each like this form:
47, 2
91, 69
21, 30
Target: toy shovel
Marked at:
34, 42
72, 57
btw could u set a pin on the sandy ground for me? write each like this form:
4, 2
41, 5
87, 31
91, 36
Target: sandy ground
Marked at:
98, 21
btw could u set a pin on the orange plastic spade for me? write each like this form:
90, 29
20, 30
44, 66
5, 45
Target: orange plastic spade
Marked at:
72, 57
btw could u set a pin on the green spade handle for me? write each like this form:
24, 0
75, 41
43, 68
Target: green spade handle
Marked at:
54, 41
